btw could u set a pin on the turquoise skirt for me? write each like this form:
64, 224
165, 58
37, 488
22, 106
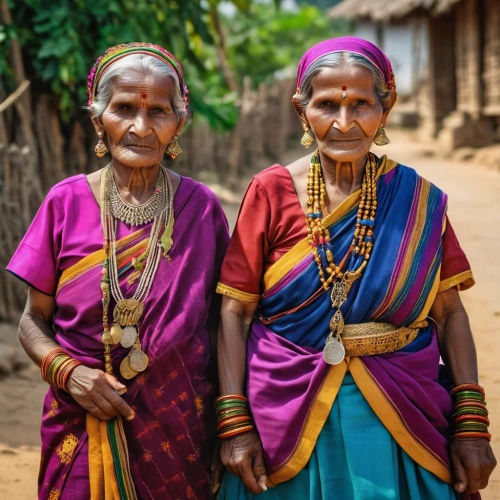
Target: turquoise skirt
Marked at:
355, 458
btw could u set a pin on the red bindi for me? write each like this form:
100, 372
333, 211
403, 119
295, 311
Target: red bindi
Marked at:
144, 96
344, 88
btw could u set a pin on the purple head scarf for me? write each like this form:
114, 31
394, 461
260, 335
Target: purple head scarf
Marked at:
348, 44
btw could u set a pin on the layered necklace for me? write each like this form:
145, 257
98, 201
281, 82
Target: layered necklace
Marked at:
331, 275
128, 311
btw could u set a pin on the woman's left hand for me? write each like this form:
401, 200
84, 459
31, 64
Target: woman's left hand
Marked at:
217, 469
473, 462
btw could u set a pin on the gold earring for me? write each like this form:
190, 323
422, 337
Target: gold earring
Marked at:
173, 148
307, 139
381, 138
100, 148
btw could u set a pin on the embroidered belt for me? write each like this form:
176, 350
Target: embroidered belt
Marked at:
369, 339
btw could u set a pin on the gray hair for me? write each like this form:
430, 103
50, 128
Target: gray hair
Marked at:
338, 59
135, 62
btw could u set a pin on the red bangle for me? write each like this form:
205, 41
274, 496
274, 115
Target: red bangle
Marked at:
69, 369
467, 387
232, 421
478, 418
464, 435
230, 396
475, 404
236, 432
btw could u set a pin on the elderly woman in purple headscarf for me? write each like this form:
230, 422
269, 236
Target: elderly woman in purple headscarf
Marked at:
122, 266
340, 293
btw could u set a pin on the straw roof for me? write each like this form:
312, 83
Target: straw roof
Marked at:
380, 10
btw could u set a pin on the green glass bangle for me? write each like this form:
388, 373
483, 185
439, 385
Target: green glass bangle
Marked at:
229, 405
469, 394
471, 428
469, 412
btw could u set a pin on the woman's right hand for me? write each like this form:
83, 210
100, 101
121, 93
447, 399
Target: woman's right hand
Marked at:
99, 393
242, 455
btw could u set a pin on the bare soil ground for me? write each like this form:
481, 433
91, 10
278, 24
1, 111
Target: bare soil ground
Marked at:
474, 211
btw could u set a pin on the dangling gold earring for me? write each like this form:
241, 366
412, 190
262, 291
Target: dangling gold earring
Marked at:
307, 139
173, 148
100, 148
381, 138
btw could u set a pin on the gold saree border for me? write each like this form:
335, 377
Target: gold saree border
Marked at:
234, 293
285, 263
315, 419
101, 469
395, 424
463, 281
98, 257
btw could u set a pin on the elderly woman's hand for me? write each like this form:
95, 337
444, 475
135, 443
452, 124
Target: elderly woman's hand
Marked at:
99, 393
473, 462
242, 455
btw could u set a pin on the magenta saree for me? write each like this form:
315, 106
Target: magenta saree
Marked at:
169, 441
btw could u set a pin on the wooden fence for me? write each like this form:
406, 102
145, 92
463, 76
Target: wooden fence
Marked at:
36, 152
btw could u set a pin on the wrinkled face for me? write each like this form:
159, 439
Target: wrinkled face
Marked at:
139, 121
344, 112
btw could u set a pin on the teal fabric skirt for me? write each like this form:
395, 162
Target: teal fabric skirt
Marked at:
355, 458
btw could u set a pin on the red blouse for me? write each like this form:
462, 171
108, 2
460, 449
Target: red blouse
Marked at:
271, 222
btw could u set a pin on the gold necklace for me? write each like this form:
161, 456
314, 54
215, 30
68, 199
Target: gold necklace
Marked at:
136, 215
361, 246
128, 312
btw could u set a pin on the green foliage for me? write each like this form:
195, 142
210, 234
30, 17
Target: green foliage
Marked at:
62, 38
264, 40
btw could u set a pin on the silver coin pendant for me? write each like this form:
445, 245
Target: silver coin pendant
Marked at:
129, 334
333, 352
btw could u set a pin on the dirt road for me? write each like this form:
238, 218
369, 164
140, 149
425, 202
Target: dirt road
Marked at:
475, 213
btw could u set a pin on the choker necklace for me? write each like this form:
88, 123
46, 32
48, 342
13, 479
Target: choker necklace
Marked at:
141, 214
336, 278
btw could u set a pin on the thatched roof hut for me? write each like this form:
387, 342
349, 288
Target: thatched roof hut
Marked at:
380, 10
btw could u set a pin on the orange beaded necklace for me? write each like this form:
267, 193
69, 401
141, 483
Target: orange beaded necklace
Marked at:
319, 239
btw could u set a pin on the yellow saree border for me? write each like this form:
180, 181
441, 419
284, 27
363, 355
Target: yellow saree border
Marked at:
234, 293
283, 265
394, 423
98, 257
101, 469
463, 281
315, 419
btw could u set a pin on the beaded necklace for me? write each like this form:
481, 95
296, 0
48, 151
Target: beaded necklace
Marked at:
361, 246
128, 312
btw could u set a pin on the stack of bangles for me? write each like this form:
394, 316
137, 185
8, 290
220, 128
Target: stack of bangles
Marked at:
233, 416
57, 366
469, 412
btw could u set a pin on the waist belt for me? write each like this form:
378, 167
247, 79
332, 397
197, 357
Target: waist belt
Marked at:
369, 339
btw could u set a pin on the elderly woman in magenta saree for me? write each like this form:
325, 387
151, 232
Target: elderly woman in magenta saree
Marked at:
167, 440
377, 424
114, 429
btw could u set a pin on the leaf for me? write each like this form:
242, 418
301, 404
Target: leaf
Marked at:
242, 5
166, 237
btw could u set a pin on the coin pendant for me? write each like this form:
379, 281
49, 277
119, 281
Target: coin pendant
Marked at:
138, 360
116, 333
125, 369
129, 334
333, 352
128, 312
